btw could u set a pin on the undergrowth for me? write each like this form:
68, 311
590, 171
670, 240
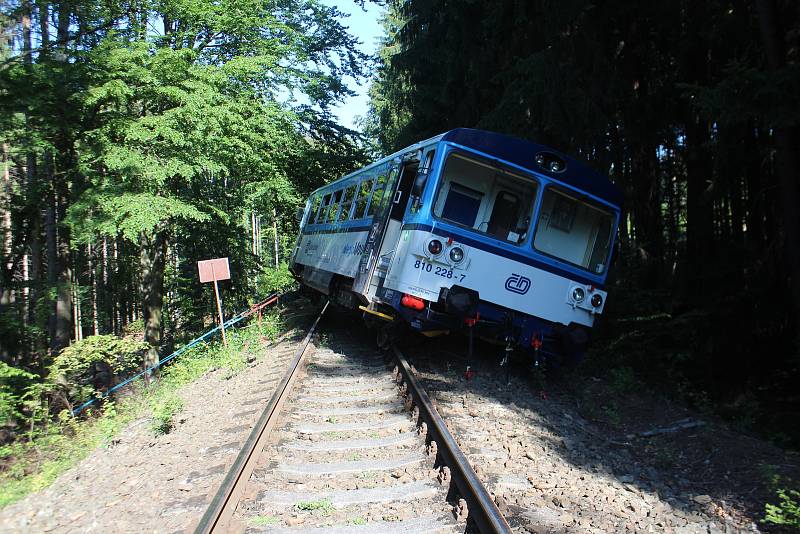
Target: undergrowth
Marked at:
164, 411
787, 510
27, 466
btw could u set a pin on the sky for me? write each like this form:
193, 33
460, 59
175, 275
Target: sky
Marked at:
365, 26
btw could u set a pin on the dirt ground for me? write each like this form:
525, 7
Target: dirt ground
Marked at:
560, 455
592, 454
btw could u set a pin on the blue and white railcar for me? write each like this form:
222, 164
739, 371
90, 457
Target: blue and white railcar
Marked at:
469, 229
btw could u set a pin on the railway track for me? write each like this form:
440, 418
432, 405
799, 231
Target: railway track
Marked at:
350, 442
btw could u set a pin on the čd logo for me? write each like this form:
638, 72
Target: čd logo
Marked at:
516, 283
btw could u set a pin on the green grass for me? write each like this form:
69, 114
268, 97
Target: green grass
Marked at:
34, 464
164, 411
323, 505
263, 520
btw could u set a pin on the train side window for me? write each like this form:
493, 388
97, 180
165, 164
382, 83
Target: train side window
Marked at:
312, 213
347, 203
377, 194
323, 211
365, 189
337, 195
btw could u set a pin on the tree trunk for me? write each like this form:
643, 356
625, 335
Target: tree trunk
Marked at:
76, 309
6, 286
90, 251
58, 260
275, 233
44, 24
646, 210
5, 222
62, 28
253, 248
754, 237
52, 262
786, 141
116, 300
152, 260
34, 214
699, 205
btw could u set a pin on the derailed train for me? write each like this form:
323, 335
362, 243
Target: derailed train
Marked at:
467, 230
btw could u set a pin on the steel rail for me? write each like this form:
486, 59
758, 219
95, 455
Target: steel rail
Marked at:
223, 505
481, 506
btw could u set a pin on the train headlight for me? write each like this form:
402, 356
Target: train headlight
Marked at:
597, 300
456, 254
435, 247
555, 166
578, 294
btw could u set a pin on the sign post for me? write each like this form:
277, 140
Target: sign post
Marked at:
212, 271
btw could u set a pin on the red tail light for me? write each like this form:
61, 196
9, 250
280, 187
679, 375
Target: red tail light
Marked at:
470, 321
410, 301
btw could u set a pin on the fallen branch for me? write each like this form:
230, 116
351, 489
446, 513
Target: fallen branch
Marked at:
683, 424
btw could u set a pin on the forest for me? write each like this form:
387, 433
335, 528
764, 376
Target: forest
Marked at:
138, 137
692, 109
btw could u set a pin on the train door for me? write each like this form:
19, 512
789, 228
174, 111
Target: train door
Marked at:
385, 232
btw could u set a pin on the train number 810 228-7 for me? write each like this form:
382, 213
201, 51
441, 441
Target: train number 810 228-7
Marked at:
444, 272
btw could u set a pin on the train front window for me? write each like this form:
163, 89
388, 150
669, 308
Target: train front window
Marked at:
574, 230
485, 197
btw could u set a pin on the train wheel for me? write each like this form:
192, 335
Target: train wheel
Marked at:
383, 337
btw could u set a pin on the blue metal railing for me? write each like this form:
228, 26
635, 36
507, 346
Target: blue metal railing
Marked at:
193, 343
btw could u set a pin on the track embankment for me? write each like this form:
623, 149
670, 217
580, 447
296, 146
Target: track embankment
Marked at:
139, 482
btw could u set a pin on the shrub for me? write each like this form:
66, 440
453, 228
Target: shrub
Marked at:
91, 364
787, 512
134, 329
271, 279
16, 388
164, 410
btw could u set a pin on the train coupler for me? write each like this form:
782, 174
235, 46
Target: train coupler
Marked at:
507, 351
469, 373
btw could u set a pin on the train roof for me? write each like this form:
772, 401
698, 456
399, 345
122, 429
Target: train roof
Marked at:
519, 152
523, 153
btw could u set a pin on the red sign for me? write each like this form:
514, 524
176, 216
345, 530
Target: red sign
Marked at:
216, 269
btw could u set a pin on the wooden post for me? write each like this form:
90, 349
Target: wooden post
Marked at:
219, 308
212, 271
